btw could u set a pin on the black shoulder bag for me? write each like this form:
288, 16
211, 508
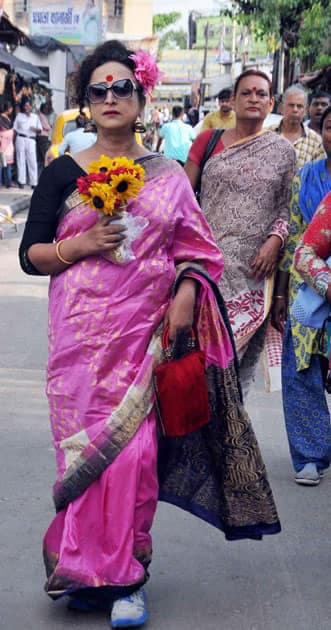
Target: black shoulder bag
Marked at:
212, 142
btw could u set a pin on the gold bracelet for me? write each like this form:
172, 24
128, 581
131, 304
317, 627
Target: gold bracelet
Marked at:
57, 251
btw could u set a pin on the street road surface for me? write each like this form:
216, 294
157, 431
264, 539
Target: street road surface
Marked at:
198, 580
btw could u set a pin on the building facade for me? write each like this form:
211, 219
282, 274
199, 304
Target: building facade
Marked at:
83, 22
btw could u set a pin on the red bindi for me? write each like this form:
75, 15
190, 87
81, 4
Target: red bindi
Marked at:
109, 78
254, 88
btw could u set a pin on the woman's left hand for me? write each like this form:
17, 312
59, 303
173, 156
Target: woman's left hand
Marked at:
180, 313
265, 261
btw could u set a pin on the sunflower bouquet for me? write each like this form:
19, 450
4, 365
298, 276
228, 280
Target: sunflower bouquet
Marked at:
108, 186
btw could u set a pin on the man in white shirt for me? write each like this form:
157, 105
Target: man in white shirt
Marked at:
26, 126
79, 139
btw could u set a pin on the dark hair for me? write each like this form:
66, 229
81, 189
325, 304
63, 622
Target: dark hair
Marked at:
6, 105
252, 73
225, 95
81, 120
113, 50
326, 112
177, 110
24, 100
43, 107
193, 116
318, 94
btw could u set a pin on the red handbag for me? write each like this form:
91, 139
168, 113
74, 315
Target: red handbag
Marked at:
181, 390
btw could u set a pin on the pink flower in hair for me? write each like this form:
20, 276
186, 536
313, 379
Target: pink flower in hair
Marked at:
146, 71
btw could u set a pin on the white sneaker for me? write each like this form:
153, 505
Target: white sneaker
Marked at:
309, 475
129, 611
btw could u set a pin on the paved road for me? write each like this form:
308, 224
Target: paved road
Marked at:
198, 580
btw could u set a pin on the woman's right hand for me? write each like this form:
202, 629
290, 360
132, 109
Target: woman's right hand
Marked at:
99, 239
103, 236
279, 313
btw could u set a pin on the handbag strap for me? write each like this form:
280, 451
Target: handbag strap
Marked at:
166, 346
212, 142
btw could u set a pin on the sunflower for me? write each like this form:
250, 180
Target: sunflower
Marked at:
105, 163
110, 183
101, 198
125, 186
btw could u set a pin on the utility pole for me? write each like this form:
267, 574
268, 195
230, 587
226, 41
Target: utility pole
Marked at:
233, 48
280, 77
204, 66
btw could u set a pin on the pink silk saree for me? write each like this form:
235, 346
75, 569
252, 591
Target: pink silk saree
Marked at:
104, 341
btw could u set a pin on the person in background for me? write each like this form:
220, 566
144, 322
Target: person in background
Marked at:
155, 118
307, 143
245, 194
225, 117
44, 138
6, 144
6, 114
304, 356
79, 139
26, 126
38, 98
177, 136
318, 101
105, 326
193, 116
13, 85
166, 114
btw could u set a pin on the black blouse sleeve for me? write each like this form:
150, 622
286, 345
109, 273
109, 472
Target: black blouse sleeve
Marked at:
56, 182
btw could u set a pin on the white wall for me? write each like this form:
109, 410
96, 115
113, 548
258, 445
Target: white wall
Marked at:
57, 63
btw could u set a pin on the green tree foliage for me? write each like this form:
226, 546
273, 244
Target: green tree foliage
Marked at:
161, 21
303, 24
314, 46
174, 39
169, 38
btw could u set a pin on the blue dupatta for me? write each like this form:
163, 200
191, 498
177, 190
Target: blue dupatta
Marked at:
315, 183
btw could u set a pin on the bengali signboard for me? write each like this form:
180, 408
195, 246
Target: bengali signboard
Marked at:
71, 22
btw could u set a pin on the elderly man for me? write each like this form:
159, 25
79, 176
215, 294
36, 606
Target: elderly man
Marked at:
318, 102
307, 143
225, 117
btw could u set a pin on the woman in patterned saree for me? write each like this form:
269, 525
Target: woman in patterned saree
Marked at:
304, 362
245, 191
105, 318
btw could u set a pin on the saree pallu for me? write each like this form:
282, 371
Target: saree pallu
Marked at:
245, 194
104, 342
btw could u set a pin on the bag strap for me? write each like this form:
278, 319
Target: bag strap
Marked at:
168, 347
211, 144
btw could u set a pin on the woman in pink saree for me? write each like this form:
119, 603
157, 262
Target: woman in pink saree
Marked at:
105, 319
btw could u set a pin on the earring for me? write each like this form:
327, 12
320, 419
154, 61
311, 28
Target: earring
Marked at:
138, 126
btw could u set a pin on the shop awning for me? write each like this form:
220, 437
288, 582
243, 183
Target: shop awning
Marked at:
9, 33
27, 70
